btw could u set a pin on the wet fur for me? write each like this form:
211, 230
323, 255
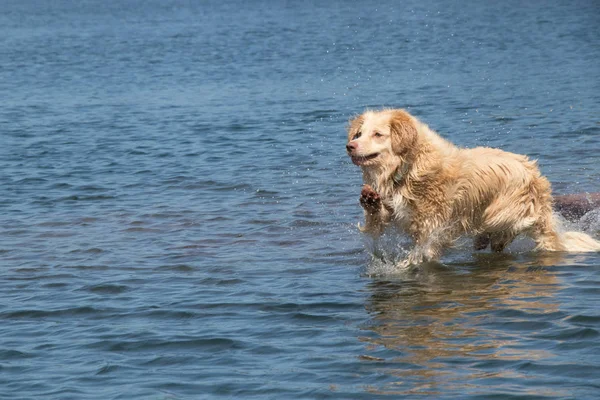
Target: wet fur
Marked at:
437, 192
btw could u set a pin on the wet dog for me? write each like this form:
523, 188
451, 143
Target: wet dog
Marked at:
437, 192
575, 206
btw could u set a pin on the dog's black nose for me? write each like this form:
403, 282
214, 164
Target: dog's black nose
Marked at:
350, 147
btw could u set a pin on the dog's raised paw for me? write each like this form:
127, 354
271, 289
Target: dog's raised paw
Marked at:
370, 199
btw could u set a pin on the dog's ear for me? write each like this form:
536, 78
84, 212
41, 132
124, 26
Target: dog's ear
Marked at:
403, 132
354, 126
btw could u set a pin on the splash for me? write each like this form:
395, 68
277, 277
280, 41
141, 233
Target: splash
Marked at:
590, 223
579, 236
388, 251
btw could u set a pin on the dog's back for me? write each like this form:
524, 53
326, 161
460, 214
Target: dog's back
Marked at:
500, 190
510, 197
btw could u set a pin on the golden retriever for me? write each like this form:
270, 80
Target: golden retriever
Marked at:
437, 192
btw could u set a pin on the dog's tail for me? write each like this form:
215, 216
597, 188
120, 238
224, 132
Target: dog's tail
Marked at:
574, 241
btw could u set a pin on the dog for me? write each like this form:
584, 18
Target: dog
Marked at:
437, 192
574, 206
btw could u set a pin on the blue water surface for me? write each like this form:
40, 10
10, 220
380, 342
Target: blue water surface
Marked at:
178, 215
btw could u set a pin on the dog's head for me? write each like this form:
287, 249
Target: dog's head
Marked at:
379, 138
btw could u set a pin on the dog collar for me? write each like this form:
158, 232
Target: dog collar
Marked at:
400, 174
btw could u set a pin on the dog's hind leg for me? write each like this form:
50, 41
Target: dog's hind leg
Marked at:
543, 232
542, 228
430, 244
500, 240
481, 241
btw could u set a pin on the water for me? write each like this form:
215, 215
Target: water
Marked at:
178, 216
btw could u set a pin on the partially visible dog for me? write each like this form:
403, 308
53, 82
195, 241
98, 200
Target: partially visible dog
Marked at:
575, 206
437, 192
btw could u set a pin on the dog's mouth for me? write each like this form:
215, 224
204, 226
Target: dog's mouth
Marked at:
361, 160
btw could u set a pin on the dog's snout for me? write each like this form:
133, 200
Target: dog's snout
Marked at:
351, 147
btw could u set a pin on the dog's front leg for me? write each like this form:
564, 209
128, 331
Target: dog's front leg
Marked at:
377, 215
431, 238
429, 251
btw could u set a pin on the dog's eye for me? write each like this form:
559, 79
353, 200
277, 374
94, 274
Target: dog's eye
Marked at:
377, 134
358, 134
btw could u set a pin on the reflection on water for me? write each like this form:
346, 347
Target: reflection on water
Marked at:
484, 317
